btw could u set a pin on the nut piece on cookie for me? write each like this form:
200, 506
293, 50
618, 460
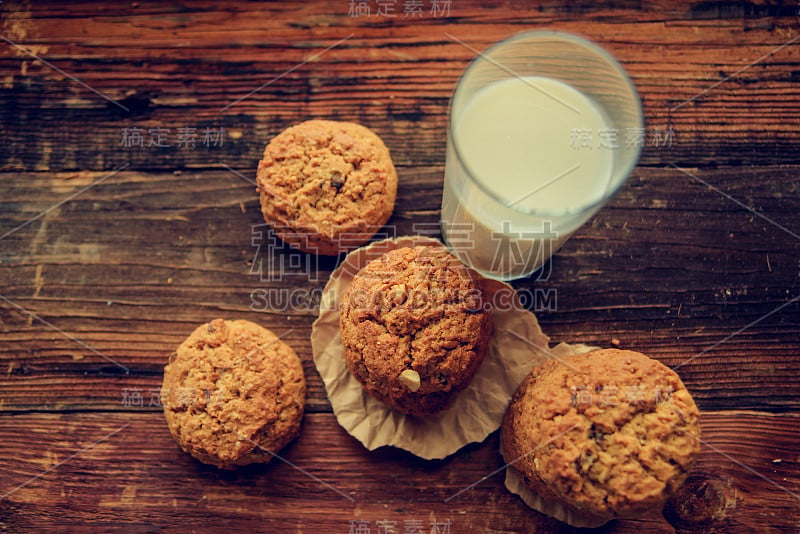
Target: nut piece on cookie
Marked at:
410, 379
606, 434
326, 187
233, 394
414, 328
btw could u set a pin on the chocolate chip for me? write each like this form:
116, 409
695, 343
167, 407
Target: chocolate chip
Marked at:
337, 180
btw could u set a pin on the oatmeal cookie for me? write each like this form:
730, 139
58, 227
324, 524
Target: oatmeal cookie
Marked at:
414, 328
233, 394
607, 433
326, 187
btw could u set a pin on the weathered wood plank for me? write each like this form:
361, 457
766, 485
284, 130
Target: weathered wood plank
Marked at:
698, 268
175, 70
132, 282
149, 483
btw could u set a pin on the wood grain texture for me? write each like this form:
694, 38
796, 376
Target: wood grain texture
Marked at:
112, 253
150, 484
173, 69
131, 283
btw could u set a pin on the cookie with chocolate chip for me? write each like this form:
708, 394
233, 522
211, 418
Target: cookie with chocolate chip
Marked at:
606, 434
326, 186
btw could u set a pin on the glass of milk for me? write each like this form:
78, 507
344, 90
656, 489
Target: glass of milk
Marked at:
544, 128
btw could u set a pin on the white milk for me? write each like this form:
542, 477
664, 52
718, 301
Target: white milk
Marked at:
522, 140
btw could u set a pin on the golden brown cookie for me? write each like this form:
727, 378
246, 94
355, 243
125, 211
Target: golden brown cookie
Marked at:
414, 328
607, 433
326, 187
233, 394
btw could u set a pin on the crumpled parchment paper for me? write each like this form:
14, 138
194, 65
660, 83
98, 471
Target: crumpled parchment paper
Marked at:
517, 344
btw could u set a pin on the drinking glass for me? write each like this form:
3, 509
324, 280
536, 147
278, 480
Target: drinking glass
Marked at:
544, 127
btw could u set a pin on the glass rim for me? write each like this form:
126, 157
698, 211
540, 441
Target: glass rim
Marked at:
587, 44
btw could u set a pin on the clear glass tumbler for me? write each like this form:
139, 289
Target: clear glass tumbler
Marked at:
544, 128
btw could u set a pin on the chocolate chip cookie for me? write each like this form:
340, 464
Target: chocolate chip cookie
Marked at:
608, 433
326, 187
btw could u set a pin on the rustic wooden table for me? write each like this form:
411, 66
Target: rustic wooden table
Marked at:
129, 133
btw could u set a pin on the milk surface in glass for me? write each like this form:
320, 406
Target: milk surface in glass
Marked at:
542, 148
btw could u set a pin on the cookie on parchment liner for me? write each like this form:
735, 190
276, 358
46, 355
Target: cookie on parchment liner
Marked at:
516, 345
414, 328
605, 434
